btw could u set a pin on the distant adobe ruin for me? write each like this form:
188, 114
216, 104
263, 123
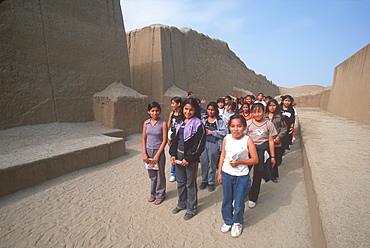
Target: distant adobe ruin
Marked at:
162, 57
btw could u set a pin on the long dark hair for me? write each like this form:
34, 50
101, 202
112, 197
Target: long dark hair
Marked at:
154, 105
277, 110
177, 100
194, 103
233, 105
236, 116
214, 105
291, 100
249, 106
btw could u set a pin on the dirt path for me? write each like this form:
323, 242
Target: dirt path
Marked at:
105, 206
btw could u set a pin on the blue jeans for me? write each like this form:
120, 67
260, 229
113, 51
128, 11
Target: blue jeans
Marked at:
235, 188
173, 170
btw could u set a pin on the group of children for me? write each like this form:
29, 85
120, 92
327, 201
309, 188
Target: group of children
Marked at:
232, 135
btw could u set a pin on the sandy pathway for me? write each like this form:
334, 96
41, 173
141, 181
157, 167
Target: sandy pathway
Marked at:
105, 206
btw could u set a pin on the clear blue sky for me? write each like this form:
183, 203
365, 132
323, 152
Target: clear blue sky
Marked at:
291, 42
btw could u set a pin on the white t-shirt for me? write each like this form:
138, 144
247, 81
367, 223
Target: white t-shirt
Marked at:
221, 112
234, 149
263, 102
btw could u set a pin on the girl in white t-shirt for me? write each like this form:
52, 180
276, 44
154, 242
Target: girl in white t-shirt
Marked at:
238, 151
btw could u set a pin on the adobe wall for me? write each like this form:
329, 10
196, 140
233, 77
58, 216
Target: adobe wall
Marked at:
55, 55
162, 57
351, 87
145, 55
325, 97
317, 98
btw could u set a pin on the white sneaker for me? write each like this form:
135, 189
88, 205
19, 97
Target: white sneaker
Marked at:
172, 179
236, 230
293, 139
225, 228
251, 204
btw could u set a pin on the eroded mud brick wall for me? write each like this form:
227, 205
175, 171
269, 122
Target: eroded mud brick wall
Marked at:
145, 56
163, 56
55, 55
350, 92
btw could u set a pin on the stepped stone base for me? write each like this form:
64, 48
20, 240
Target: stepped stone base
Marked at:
32, 154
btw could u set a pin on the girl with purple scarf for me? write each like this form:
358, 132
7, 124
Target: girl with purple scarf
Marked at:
187, 144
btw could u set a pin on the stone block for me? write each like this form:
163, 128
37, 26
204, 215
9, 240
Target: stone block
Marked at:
120, 107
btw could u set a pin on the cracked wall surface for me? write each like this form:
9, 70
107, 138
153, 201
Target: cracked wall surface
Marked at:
55, 56
162, 56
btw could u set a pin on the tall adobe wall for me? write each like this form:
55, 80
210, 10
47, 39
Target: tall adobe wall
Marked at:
144, 51
162, 57
55, 55
350, 92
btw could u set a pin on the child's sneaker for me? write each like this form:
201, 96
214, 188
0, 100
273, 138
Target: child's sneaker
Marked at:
236, 230
172, 179
225, 228
251, 204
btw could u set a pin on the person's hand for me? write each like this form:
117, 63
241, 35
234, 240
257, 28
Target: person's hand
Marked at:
277, 140
219, 178
234, 163
273, 162
173, 160
155, 160
146, 160
209, 132
184, 162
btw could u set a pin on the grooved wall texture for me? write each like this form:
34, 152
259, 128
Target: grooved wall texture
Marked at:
55, 55
163, 56
350, 92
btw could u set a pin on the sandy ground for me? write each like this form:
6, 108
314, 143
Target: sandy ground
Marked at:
106, 206
338, 154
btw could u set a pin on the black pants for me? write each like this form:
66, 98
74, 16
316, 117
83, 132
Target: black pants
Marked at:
279, 159
286, 141
256, 184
